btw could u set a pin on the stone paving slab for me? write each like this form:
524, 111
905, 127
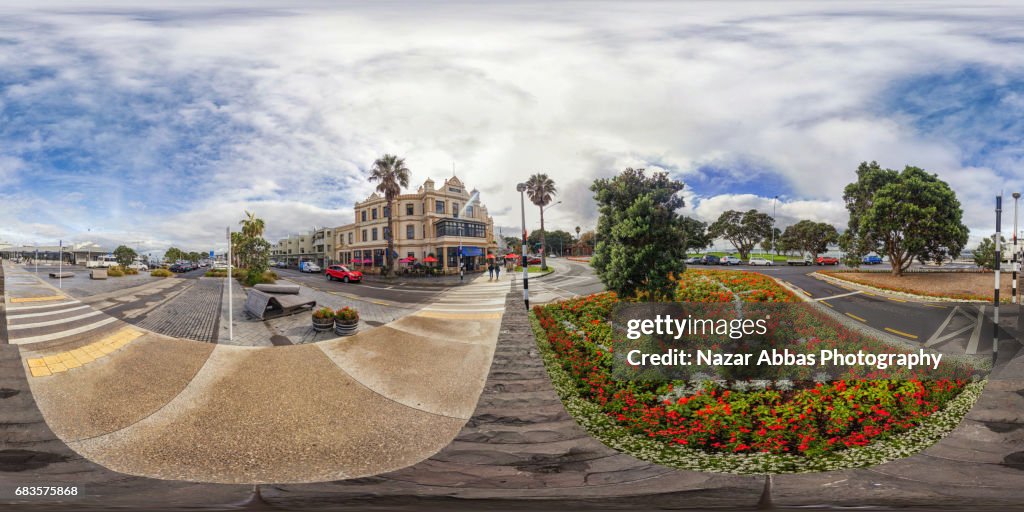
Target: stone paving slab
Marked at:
430, 374
120, 389
275, 414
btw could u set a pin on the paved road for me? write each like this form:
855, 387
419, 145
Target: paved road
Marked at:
401, 295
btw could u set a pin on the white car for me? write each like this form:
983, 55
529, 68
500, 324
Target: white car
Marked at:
760, 261
140, 266
730, 260
309, 266
220, 265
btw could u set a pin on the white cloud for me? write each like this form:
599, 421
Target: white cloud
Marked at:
286, 105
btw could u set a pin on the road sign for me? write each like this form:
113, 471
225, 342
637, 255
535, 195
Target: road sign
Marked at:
211, 254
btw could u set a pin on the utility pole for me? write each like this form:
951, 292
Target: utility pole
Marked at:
1014, 257
774, 200
231, 313
521, 188
999, 262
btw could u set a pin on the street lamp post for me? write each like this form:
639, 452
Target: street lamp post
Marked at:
774, 200
999, 261
521, 188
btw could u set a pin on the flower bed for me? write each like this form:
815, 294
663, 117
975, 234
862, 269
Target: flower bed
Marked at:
740, 426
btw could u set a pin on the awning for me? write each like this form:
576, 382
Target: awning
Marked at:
472, 251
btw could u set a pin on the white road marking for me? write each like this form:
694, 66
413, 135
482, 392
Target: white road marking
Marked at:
53, 322
840, 295
46, 313
62, 334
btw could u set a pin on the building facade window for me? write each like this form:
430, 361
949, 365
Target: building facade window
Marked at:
373, 213
363, 215
373, 234
350, 238
387, 232
364, 236
387, 211
455, 210
469, 212
439, 207
449, 227
408, 209
410, 232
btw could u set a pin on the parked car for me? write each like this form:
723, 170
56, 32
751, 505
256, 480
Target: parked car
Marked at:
799, 261
221, 265
873, 259
179, 268
827, 260
730, 260
343, 274
309, 266
533, 260
694, 260
140, 266
709, 259
281, 264
760, 262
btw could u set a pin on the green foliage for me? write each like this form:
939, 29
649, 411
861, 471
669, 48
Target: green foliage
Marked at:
744, 230
906, 215
639, 233
161, 272
985, 253
216, 273
124, 255
115, 272
554, 241
346, 316
174, 254
696, 234
811, 237
323, 313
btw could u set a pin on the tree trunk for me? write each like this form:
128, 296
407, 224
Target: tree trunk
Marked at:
543, 243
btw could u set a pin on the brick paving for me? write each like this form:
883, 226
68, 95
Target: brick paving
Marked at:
193, 314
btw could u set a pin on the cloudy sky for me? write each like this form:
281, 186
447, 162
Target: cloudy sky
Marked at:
160, 124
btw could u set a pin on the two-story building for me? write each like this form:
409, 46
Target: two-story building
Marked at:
432, 223
315, 246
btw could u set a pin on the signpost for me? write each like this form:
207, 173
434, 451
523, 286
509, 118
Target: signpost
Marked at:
231, 321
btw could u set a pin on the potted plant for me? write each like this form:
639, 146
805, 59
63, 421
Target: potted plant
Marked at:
346, 320
323, 319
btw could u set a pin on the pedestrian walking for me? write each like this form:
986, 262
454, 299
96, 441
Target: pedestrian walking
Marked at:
497, 271
490, 271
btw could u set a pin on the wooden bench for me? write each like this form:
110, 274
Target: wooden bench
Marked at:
99, 273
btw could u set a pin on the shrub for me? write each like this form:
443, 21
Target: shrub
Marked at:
160, 272
323, 313
115, 272
130, 271
216, 273
347, 316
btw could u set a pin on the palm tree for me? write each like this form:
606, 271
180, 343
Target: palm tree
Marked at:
252, 226
541, 189
392, 176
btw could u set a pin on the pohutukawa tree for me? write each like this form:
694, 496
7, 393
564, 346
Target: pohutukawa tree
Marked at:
810, 237
391, 176
639, 232
124, 255
744, 230
906, 215
541, 190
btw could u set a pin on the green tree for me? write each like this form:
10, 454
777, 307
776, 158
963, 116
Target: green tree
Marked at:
124, 255
773, 243
541, 190
811, 237
697, 238
744, 230
985, 253
551, 241
173, 254
391, 176
639, 232
252, 226
906, 215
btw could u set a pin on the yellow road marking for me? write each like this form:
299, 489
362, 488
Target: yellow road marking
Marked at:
826, 303
895, 300
76, 358
15, 300
460, 316
901, 333
871, 294
855, 317
935, 306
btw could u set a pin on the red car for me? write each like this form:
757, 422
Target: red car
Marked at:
533, 260
827, 260
343, 274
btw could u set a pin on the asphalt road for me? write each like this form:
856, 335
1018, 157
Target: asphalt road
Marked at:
384, 294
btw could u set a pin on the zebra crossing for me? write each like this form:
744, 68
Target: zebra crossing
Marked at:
482, 298
37, 312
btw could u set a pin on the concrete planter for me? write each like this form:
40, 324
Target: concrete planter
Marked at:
345, 329
322, 324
